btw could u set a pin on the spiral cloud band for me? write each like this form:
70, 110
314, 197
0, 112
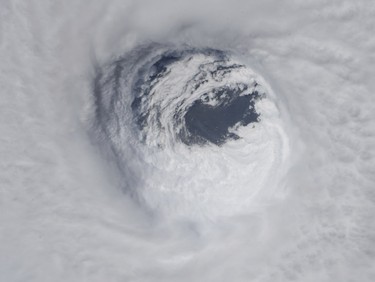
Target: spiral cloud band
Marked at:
187, 140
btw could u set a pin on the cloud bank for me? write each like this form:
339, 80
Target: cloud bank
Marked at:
63, 211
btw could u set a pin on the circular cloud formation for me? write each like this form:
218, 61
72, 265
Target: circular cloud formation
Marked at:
196, 131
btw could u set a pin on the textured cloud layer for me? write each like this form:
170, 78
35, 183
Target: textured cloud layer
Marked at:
63, 213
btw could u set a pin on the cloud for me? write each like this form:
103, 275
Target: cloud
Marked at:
63, 215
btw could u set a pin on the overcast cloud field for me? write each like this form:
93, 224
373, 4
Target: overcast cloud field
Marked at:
90, 191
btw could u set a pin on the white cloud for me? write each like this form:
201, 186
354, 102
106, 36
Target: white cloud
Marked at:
63, 215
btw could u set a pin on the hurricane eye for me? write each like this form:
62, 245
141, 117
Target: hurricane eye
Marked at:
196, 97
185, 123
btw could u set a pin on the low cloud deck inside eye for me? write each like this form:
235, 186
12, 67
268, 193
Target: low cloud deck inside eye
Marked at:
207, 123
